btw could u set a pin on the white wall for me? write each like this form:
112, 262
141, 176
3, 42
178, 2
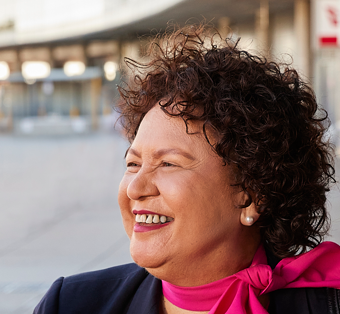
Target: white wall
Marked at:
282, 36
43, 20
34, 14
246, 32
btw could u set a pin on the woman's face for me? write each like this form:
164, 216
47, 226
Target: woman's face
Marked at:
173, 174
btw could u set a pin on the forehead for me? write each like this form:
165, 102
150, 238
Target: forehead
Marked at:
161, 130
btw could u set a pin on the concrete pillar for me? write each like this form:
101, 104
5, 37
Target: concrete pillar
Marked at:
10, 114
85, 55
262, 26
302, 36
131, 50
224, 26
51, 58
18, 63
96, 87
6, 114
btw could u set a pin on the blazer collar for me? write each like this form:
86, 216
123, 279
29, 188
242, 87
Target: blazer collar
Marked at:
147, 297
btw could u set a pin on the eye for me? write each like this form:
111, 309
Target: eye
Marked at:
167, 164
132, 164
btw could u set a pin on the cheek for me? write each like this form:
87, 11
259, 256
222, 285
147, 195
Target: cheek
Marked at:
122, 195
125, 207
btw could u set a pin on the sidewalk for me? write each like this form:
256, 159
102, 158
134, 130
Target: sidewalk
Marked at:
59, 214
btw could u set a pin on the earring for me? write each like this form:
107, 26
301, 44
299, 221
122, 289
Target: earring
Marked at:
249, 220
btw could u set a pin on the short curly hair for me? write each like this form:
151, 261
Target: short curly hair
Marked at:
267, 117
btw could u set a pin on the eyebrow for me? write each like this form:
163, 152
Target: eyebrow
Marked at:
159, 153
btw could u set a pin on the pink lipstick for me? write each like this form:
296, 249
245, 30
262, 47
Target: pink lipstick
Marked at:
143, 211
148, 227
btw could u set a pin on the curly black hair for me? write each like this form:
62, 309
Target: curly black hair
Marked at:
269, 124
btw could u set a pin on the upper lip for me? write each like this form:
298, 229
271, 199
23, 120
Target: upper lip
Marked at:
147, 212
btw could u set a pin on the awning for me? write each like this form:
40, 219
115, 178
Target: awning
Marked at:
58, 75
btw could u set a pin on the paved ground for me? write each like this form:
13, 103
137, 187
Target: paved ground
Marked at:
59, 213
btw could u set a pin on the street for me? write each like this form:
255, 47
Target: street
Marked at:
59, 213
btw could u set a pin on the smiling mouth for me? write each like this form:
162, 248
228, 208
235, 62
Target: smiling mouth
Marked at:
152, 219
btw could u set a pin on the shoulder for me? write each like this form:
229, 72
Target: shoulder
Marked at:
92, 291
118, 273
305, 301
103, 283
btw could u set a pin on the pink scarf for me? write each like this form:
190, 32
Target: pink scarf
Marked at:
239, 293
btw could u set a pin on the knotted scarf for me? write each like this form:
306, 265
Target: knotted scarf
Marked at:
239, 293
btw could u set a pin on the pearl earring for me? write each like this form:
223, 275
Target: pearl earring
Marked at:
249, 220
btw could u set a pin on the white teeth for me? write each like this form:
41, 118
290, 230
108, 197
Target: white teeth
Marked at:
149, 219
138, 218
143, 218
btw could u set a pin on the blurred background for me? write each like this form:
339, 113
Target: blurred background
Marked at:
61, 159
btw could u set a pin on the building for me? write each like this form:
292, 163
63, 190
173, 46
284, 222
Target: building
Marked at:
82, 45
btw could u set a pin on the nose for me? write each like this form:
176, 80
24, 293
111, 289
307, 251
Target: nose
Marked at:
142, 185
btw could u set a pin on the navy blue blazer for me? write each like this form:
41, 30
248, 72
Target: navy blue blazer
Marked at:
122, 289
129, 289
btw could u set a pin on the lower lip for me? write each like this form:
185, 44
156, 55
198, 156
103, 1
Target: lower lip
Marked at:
139, 228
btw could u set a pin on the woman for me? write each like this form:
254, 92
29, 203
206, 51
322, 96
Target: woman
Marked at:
226, 174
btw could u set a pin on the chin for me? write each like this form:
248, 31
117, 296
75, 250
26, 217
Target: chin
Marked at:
146, 258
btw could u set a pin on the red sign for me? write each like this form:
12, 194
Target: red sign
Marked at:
327, 26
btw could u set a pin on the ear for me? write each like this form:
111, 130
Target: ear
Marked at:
246, 202
249, 215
